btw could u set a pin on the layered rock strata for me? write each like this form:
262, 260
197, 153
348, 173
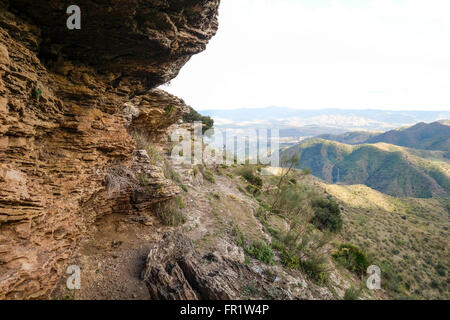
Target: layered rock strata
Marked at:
68, 102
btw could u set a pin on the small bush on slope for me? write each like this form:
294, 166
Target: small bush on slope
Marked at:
352, 258
262, 251
352, 293
170, 211
327, 215
193, 116
143, 143
248, 174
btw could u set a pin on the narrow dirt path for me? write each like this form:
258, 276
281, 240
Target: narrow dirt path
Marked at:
112, 260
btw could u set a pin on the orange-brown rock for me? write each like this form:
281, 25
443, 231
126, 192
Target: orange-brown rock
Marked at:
155, 112
67, 102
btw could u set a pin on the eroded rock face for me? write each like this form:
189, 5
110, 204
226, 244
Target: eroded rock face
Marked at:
146, 41
175, 270
67, 104
155, 112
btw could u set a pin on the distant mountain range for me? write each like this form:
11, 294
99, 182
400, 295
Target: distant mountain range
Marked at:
301, 123
432, 136
410, 162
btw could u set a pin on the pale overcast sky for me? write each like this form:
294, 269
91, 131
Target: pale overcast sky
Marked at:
310, 54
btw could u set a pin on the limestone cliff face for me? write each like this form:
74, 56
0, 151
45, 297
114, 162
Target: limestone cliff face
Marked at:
68, 100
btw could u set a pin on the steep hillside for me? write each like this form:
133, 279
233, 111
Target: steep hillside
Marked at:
353, 137
210, 242
254, 246
405, 237
432, 136
387, 168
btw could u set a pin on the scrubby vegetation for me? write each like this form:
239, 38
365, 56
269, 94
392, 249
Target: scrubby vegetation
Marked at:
307, 218
207, 174
327, 215
143, 179
170, 212
288, 259
262, 251
253, 189
352, 258
143, 143
404, 237
248, 173
300, 245
352, 293
239, 236
193, 116
170, 173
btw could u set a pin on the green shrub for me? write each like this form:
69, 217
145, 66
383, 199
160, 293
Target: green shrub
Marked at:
352, 293
143, 179
352, 258
391, 279
237, 233
248, 174
441, 269
143, 143
254, 190
261, 251
170, 212
170, 110
180, 203
250, 290
289, 260
38, 94
193, 116
170, 173
327, 215
208, 175
316, 268
434, 284
216, 196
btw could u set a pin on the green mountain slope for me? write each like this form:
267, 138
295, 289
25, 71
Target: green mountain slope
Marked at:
394, 170
432, 136
405, 237
352, 137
